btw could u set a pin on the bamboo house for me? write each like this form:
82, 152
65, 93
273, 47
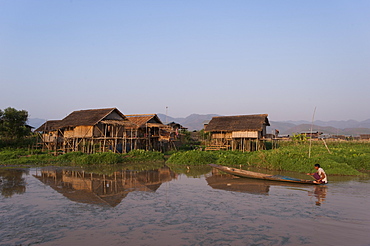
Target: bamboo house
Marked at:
101, 130
152, 134
242, 132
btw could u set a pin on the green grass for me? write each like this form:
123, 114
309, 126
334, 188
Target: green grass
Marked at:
25, 157
346, 158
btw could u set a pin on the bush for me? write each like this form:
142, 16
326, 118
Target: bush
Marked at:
8, 154
140, 155
70, 157
233, 158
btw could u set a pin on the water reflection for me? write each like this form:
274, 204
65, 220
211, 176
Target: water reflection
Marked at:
319, 192
12, 182
232, 183
220, 181
101, 189
191, 171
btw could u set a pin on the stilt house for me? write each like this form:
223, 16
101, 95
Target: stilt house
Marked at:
93, 130
152, 134
50, 134
243, 132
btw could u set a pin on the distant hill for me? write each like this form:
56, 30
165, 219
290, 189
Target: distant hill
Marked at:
192, 122
349, 127
341, 124
331, 130
284, 129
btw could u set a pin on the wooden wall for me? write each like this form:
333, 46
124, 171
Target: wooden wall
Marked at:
225, 135
237, 134
79, 132
245, 134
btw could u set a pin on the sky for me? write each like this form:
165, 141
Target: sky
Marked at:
283, 58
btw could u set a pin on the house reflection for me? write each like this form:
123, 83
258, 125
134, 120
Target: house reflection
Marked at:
232, 183
100, 189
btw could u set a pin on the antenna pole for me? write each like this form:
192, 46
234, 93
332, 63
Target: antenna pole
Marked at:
309, 149
166, 115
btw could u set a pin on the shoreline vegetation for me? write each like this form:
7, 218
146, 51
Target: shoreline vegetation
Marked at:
23, 157
344, 158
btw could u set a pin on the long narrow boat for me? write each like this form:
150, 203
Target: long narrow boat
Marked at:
255, 175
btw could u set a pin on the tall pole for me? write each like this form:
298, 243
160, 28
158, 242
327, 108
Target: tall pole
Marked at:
166, 116
313, 116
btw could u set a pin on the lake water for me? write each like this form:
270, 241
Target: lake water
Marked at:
63, 206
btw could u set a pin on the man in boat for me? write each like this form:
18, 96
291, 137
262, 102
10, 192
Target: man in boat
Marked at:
320, 175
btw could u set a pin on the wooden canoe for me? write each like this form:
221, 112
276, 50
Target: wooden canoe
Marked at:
255, 175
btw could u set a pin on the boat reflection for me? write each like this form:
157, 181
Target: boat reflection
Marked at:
232, 183
228, 182
12, 182
100, 189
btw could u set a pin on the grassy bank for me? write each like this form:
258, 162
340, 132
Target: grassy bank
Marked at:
345, 158
38, 158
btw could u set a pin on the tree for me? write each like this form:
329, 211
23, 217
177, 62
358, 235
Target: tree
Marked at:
13, 124
12, 182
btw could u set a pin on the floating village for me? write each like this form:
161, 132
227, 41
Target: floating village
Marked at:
108, 129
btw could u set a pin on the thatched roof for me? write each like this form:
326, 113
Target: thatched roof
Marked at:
175, 125
238, 123
141, 119
87, 117
50, 125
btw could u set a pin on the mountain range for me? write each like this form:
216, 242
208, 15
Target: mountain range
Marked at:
349, 127
196, 122
192, 122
